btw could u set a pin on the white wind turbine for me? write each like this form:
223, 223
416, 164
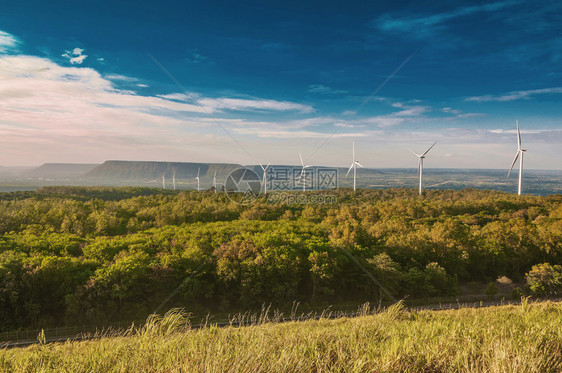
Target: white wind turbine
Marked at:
520, 151
420, 162
174, 178
302, 175
265, 177
354, 164
164, 180
197, 178
215, 181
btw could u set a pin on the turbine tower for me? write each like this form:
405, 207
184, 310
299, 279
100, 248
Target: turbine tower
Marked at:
302, 175
420, 162
164, 180
520, 151
174, 179
264, 177
215, 181
354, 164
197, 178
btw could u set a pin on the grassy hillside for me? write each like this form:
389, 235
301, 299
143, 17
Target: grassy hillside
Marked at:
526, 338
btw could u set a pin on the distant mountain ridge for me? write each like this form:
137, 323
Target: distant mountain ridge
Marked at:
60, 170
143, 170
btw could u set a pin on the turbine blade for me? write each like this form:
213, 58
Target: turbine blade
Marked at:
418, 155
358, 164
419, 166
513, 164
350, 168
302, 163
424, 153
518, 136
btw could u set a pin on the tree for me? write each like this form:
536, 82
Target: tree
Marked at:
545, 279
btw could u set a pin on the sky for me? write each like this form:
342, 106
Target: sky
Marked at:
260, 82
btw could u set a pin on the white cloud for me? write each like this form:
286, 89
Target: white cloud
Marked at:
284, 134
7, 42
449, 110
43, 97
406, 114
75, 56
410, 111
549, 131
121, 78
56, 109
238, 104
515, 95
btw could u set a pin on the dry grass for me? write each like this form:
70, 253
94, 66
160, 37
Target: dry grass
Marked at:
526, 338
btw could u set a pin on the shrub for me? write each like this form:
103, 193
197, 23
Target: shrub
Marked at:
491, 290
545, 279
517, 293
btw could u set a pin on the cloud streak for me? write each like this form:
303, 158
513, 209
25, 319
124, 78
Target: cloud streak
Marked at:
7, 42
241, 104
422, 27
324, 90
515, 95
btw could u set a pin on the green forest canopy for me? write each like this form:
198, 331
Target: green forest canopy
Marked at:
92, 254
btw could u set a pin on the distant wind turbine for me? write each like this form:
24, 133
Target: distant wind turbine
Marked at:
264, 169
520, 151
197, 178
420, 162
302, 175
164, 181
215, 181
174, 178
354, 164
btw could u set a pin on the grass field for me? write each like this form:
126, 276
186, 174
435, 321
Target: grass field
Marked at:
525, 338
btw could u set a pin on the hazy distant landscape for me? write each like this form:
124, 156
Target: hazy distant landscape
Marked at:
149, 174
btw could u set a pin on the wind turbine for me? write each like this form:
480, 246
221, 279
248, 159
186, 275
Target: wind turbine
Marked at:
174, 178
265, 177
420, 162
215, 181
197, 178
520, 151
164, 180
302, 175
354, 164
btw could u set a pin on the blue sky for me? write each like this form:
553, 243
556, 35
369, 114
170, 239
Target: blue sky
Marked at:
78, 83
